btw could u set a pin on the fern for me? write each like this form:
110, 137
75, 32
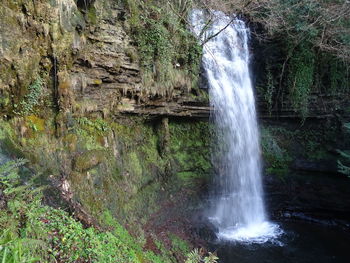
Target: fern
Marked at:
194, 256
198, 256
211, 258
8, 173
31, 99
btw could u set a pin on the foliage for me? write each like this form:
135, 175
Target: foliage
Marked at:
185, 139
301, 75
198, 256
343, 168
324, 22
33, 232
306, 31
155, 47
275, 154
179, 245
168, 51
16, 246
98, 125
339, 76
31, 99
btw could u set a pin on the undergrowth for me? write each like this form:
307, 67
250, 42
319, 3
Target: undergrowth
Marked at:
33, 232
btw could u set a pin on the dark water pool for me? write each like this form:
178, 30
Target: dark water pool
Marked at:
301, 243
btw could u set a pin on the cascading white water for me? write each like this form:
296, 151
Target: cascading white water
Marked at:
238, 211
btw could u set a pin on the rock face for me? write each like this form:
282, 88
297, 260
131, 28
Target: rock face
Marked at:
76, 65
318, 198
106, 76
321, 106
87, 59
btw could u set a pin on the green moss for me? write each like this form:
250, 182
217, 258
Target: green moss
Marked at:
135, 165
5, 130
9, 140
35, 123
186, 139
131, 53
169, 54
70, 140
90, 132
116, 166
89, 160
275, 144
339, 76
91, 15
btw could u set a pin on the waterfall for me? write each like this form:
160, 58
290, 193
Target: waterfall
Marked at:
238, 211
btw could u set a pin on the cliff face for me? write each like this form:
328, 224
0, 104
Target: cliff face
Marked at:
73, 103
87, 59
323, 89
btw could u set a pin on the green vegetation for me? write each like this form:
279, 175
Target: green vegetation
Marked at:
300, 77
269, 89
199, 256
306, 49
96, 125
186, 139
31, 99
179, 245
275, 151
169, 53
33, 232
280, 145
120, 167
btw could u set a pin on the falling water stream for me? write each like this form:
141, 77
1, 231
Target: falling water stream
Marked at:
238, 211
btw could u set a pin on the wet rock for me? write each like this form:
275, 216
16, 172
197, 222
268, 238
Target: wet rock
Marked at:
206, 231
313, 197
322, 166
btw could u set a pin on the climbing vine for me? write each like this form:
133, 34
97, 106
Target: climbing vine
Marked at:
301, 77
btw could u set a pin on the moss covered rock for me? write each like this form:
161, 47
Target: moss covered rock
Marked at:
88, 160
